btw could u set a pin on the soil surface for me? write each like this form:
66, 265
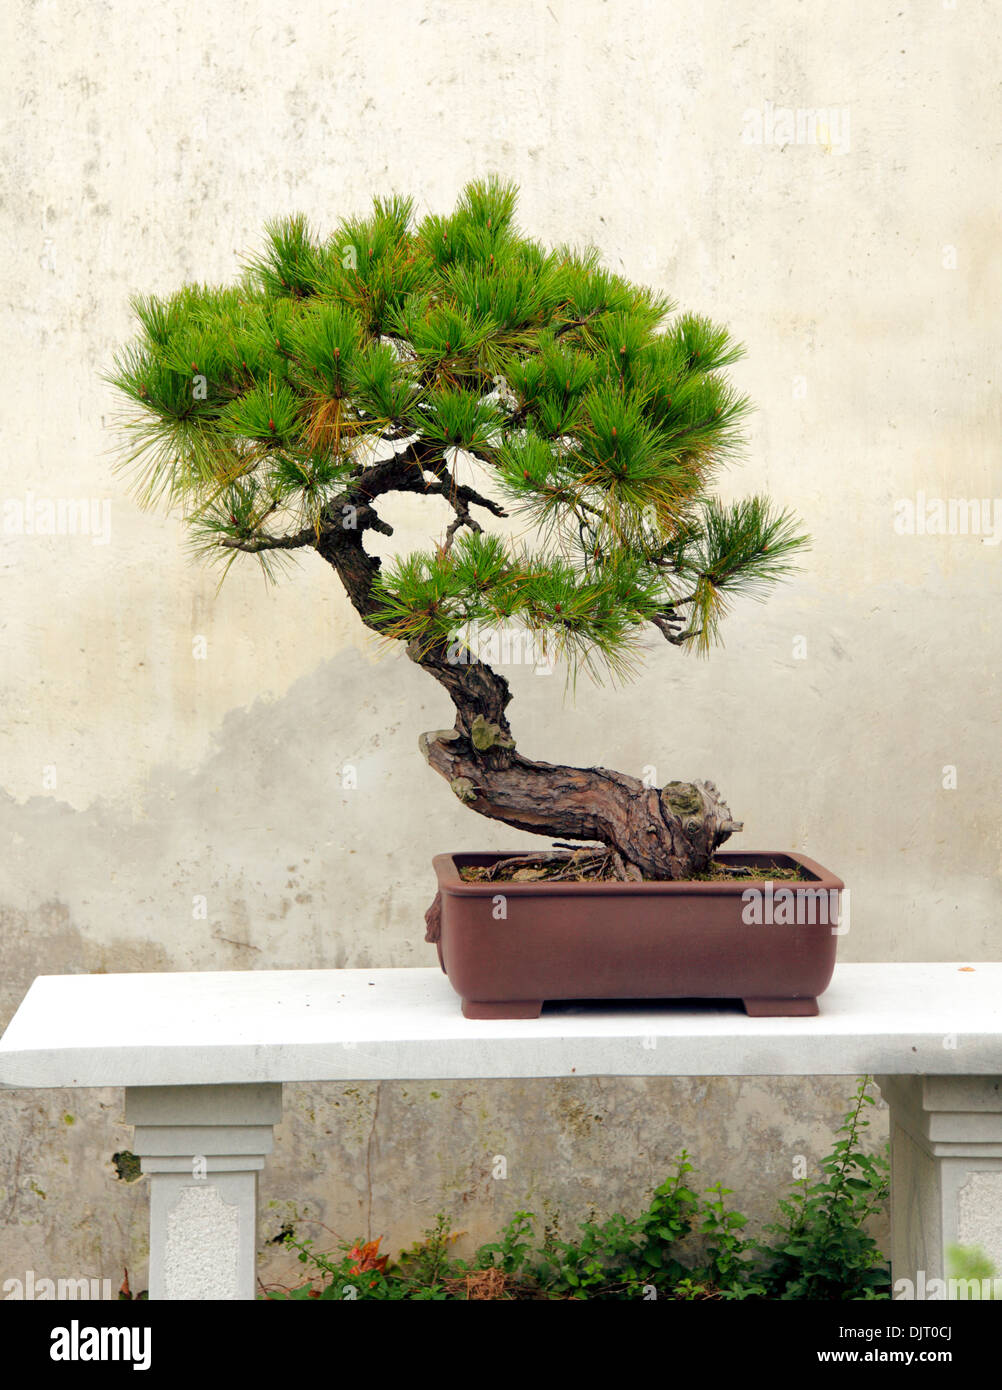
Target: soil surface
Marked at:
591, 865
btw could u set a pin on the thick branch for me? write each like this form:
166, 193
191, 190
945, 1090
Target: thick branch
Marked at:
404, 472
667, 833
252, 545
458, 495
668, 624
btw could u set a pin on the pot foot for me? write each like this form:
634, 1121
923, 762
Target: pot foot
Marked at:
804, 1007
508, 1008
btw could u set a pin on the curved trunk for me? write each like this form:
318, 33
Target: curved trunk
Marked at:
668, 832
663, 833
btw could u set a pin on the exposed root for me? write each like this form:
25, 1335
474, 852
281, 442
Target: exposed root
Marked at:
589, 865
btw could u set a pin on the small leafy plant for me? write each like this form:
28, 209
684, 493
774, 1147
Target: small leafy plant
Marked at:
823, 1249
686, 1246
620, 1257
971, 1273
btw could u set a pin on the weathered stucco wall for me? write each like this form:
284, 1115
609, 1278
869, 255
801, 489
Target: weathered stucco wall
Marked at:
855, 716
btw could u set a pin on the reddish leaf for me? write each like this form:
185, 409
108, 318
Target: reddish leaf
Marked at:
367, 1257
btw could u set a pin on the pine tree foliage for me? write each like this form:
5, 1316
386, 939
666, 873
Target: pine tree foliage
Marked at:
599, 419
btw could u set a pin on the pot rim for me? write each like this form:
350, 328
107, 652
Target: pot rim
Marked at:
447, 866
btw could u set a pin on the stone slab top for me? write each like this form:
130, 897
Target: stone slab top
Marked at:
232, 1027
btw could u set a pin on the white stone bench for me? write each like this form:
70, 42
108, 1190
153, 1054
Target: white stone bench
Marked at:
203, 1057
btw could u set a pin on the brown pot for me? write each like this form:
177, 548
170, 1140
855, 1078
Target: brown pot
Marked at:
508, 947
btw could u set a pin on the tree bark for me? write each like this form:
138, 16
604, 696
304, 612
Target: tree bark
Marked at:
670, 832
667, 833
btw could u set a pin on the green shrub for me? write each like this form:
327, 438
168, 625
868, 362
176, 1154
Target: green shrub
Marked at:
684, 1247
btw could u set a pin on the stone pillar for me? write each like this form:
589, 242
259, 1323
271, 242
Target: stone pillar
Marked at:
946, 1176
203, 1147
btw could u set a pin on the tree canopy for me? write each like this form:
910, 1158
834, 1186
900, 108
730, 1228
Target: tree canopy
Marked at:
456, 357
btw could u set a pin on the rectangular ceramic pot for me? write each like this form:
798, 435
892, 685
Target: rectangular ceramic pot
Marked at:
509, 947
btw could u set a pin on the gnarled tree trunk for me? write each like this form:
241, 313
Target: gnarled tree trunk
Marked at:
666, 833
663, 833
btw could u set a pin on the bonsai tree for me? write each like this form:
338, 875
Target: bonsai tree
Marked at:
456, 359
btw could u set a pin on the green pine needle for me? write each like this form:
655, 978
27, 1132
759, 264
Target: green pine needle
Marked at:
533, 378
